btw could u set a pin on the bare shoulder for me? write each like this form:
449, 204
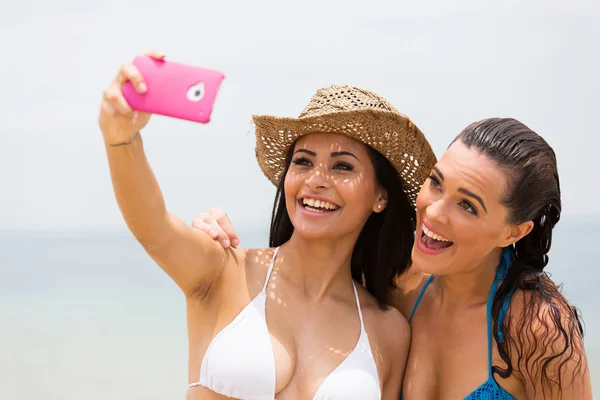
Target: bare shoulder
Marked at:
544, 318
257, 261
389, 336
388, 326
244, 271
249, 264
395, 329
542, 310
242, 278
545, 336
408, 288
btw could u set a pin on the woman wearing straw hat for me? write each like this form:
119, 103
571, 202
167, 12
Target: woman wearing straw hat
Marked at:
487, 322
291, 321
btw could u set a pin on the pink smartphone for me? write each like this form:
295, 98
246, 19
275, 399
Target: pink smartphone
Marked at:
174, 90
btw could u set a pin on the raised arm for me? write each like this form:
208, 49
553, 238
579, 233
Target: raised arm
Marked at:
190, 257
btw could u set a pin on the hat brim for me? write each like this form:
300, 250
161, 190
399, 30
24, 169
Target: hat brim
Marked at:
392, 134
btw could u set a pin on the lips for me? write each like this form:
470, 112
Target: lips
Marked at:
430, 234
431, 242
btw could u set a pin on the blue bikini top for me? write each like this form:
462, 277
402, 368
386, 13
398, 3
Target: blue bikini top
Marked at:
489, 390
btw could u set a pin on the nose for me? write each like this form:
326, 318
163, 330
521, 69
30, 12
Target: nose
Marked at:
318, 179
437, 212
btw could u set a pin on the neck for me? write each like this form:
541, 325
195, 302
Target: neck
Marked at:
470, 288
318, 266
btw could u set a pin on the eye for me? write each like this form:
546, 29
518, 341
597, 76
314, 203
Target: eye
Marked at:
468, 207
343, 166
196, 92
434, 182
301, 161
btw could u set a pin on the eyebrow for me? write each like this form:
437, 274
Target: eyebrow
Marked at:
342, 153
333, 154
311, 153
464, 191
473, 195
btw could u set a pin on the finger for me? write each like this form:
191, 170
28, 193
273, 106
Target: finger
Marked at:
217, 232
201, 223
225, 224
114, 97
223, 239
129, 72
157, 55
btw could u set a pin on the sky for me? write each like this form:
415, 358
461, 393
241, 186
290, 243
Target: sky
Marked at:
445, 64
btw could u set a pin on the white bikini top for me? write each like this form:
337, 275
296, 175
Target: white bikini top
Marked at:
240, 363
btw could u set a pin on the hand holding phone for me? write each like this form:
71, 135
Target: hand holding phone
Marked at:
174, 90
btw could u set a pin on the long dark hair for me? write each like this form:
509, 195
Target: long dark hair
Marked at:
547, 321
384, 245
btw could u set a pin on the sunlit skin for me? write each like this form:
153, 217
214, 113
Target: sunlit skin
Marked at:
448, 359
336, 169
311, 311
461, 201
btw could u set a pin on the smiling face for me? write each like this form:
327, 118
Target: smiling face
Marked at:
330, 187
461, 219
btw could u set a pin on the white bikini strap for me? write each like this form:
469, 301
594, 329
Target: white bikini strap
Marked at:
362, 324
270, 270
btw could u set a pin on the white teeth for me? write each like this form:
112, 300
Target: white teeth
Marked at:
314, 209
318, 204
432, 235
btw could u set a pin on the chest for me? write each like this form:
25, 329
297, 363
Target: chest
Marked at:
449, 354
281, 342
310, 343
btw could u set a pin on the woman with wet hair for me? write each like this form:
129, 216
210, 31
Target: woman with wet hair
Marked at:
484, 220
487, 321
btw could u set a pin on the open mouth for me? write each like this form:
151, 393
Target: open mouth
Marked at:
432, 241
317, 206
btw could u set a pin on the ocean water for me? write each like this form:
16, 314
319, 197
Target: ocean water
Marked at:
89, 315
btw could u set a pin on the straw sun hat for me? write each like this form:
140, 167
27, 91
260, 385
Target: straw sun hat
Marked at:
358, 114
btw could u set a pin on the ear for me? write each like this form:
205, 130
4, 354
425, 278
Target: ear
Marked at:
381, 201
516, 233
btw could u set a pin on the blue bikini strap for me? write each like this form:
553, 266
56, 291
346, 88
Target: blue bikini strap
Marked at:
419, 298
507, 258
